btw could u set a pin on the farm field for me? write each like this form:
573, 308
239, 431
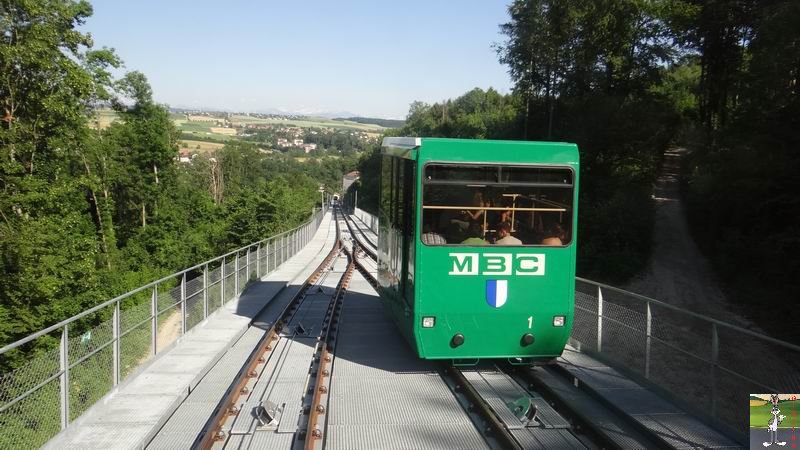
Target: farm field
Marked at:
200, 146
204, 131
311, 122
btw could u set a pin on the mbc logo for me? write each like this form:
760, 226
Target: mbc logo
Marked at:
497, 264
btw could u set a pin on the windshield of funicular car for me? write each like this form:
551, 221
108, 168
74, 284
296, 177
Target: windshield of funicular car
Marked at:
497, 205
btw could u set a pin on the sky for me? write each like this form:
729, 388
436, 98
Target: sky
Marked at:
365, 57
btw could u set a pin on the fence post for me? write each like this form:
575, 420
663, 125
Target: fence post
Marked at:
154, 322
236, 275
115, 345
258, 261
222, 283
183, 304
247, 267
599, 319
205, 291
647, 342
714, 361
64, 378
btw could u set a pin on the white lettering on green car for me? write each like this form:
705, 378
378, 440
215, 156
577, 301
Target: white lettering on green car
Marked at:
502, 264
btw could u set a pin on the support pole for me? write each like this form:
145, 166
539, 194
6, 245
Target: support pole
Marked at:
64, 378
714, 363
154, 321
183, 304
647, 342
222, 283
599, 319
236, 275
247, 267
205, 291
258, 261
115, 345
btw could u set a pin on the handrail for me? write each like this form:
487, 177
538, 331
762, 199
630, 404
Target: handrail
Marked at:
693, 314
105, 304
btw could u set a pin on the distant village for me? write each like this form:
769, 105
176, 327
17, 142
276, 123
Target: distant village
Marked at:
281, 137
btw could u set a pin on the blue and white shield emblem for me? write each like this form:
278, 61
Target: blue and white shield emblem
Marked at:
496, 292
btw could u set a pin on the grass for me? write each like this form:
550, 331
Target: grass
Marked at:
194, 126
204, 147
760, 415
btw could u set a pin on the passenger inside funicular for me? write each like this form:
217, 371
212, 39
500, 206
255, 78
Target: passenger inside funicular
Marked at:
486, 205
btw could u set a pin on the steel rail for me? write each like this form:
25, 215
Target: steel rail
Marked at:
315, 434
494, 427
353, 219
213, 431
587, 426
372, 254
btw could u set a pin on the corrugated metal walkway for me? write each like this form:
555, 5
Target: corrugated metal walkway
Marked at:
132, 414
659, 417
382, 395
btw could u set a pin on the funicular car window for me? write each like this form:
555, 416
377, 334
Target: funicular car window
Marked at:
497, 205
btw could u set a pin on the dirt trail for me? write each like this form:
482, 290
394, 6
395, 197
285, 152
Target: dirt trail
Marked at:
677, 272
169, 330
680, 275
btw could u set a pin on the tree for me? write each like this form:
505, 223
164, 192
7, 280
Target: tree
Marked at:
50, 246
147, 139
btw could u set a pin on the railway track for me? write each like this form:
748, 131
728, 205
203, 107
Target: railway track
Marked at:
218, 428
349, 354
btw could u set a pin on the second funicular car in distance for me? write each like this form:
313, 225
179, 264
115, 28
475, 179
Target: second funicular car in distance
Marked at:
477, 245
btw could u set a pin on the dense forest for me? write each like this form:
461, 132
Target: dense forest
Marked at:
626, 80
88, 214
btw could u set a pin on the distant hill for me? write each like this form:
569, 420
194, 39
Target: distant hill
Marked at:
386, 123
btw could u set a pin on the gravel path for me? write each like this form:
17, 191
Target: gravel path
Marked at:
677, 272
680, 275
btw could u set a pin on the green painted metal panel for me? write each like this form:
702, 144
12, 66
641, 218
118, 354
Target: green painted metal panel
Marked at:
450, 282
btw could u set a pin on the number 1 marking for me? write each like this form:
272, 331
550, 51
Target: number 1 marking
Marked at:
530, 322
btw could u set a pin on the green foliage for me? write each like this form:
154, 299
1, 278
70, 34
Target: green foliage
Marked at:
477, 114
741, 180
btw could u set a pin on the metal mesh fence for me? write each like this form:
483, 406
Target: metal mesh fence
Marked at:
89, 380
242, 272
116, 338
169, 326
194, 285
214, 290
32, 421
230, 287
136, 347
710, 366
194, 310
